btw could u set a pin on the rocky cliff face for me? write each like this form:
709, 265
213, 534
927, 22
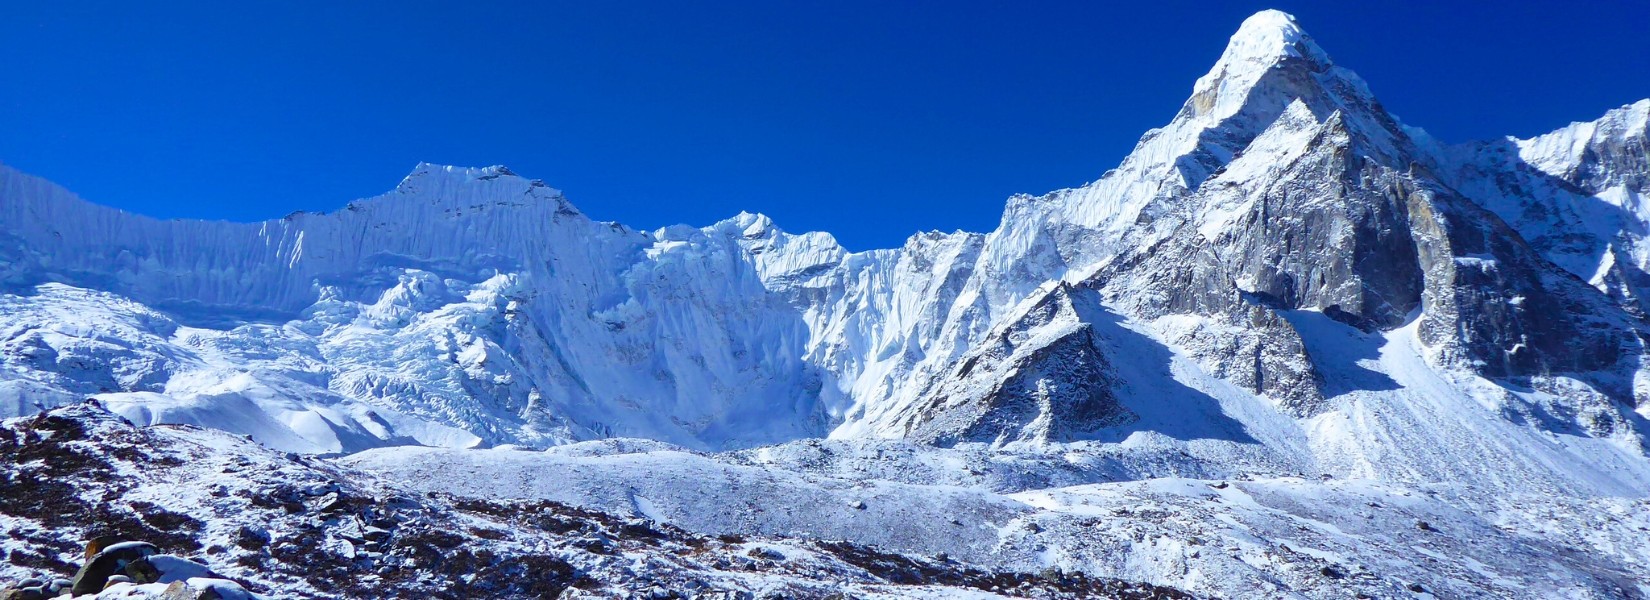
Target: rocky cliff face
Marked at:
1041, 376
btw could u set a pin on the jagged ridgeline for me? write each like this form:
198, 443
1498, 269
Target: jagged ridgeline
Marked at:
473, 306
1284, 283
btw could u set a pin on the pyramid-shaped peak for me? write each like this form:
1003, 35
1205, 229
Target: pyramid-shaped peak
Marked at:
1267, 37
1266, 42
1270, 22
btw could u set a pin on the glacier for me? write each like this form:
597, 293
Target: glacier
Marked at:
513, 317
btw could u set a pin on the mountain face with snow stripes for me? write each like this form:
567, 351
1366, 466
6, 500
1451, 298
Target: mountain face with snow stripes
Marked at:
477, 307
474, 306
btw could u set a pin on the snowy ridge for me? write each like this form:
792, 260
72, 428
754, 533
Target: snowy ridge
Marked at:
1563, 153
1577, 194
477, 300
467, 297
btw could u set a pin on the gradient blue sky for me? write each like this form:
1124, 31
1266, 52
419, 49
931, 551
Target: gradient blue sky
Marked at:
871, 120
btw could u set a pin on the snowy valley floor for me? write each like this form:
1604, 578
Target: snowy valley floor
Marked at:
1413, 484
1234, 501
627, 518
1273, 537
287, 526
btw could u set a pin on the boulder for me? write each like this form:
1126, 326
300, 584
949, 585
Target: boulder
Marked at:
23, 593
109, 561
97, 544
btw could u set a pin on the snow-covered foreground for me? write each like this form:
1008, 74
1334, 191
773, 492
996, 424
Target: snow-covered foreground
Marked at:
286, 526
1468, 505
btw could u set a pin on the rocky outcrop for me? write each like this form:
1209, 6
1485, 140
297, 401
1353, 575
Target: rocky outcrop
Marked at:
1495, 306
1336, 208
118, 568
1040, 377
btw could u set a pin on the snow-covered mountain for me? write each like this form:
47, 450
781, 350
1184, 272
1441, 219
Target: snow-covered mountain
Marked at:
468, 305
1284, 283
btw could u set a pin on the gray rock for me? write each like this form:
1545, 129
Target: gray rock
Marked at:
1039, 377
109, 562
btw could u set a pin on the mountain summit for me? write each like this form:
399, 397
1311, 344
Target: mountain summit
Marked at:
484, 305
1268, 40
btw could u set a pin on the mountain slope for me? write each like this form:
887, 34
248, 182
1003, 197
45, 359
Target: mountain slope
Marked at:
466, 298
475, 307
297, 527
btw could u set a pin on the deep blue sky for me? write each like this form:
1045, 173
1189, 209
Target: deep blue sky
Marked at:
871, 120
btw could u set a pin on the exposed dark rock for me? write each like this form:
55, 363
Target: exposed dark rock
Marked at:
1039, 377
108, 562
1352, 221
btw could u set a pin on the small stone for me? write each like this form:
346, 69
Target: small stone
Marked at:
178, 591
766, 554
